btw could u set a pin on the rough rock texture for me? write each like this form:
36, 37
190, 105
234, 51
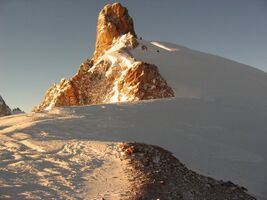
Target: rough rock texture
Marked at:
113, 21
113, 75
157, 174
146, 80
140, 82
4, 109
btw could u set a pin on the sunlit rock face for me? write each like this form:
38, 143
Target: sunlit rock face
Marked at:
4, 109
113, 75
113, 21
143, 81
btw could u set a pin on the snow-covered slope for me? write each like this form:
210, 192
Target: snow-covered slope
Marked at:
194, 74
216, 123
221, 141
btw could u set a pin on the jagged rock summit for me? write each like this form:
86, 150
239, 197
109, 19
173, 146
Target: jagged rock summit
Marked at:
113, 21
4, 109
113, 75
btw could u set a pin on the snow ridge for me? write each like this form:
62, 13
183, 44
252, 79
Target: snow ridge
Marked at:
164, 46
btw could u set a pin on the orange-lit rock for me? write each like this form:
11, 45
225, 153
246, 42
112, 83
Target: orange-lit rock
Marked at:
143, 81
113, 21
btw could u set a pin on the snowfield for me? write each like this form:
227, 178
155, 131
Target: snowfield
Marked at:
39, 167
220, 141
216, 125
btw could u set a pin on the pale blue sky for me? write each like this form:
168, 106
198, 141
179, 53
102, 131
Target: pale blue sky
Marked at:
42, 41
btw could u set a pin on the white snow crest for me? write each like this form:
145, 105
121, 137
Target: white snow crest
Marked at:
164, 46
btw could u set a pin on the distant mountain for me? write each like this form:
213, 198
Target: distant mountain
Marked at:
4, 109
16, 111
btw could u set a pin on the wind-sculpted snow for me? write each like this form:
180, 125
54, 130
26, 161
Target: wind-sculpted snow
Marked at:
70, 153
221, 141
45, 168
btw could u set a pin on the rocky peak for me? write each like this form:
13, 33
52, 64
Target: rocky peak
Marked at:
4, 109
113, 21
113, 75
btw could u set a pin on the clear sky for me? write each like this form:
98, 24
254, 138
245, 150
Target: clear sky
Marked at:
42, 41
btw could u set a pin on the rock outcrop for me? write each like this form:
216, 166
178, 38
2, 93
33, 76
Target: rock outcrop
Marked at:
4, 109
156, 174
113, 21
113, 75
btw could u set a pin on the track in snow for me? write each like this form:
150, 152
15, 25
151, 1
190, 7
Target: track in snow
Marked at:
72, 169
